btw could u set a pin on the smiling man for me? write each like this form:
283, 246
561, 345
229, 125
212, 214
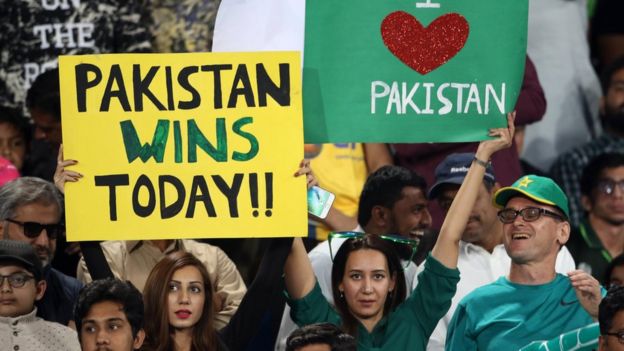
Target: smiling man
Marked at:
482, 257
109, 316
533, 302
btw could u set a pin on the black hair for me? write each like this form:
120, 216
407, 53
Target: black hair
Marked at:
616, 262
15, 118
321, 333
608, 72
44, 94
367, 242
110, 289
591, 172
384, 188
609, 307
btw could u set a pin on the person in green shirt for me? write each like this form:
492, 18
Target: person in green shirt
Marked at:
368, 282
533, 302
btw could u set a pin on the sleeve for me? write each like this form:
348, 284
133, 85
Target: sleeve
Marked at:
229, 288
431, 299
458, 336
263, 297
131, 29
312, 308
531, 104
114, 256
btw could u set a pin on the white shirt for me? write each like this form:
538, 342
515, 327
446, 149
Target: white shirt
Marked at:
478, 267
322, 266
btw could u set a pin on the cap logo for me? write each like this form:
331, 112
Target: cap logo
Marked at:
462, 169
524, 183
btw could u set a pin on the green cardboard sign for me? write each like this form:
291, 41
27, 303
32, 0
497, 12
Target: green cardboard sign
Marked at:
411, 71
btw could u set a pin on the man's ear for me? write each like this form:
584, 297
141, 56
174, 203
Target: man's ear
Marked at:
563, 232
41, 288
138, 339
586, 203
379, 216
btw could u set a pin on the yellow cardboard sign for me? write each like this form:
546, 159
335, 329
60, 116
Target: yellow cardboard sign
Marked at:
183, 145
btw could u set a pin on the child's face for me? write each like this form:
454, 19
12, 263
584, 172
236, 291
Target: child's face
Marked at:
15, 300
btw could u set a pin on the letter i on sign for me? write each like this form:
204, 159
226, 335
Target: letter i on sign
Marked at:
428, 5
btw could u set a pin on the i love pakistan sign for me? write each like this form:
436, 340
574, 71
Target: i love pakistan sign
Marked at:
411, 71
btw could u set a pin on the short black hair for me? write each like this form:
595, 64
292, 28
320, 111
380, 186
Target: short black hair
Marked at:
609, 307
591, 172
44, 94
383, 188
15, 118
321, 333
608, 72
110, 289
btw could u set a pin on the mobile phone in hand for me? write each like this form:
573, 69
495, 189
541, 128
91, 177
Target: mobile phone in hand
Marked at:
319, 201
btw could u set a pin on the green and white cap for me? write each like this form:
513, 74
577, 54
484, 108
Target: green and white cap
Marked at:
540, 189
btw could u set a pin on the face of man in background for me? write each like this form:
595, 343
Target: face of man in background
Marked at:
38, 213
603, 206
482, 221
409, 216
611, 342
47, 127
612, 104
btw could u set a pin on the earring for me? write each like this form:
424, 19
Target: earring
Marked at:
341, 294
390, 293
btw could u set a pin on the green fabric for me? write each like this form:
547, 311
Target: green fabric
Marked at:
541, 189
581, 339
408, 327
358, 89
587, 250
508, 316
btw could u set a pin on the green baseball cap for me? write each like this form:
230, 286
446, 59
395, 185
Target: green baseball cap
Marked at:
540, 189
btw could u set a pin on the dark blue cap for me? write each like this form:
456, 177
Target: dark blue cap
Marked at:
453, 170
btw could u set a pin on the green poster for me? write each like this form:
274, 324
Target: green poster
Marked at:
411, 71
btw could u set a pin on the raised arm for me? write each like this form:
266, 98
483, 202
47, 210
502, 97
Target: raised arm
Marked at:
446, 249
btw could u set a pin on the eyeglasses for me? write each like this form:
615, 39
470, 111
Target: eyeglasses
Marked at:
16, 280
33, 229
404, 248
607, 186
529, 214
619, 335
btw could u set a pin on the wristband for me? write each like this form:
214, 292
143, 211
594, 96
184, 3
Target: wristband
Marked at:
482, 163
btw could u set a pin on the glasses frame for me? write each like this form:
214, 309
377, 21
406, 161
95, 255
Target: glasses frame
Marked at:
10, 278
52, 230
604, 184
619, 335
395, 238
541, 211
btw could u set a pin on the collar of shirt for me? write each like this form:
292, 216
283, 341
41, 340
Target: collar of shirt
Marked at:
16, 321
133, 245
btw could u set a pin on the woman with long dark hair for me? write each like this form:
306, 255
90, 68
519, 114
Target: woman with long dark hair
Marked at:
367, 277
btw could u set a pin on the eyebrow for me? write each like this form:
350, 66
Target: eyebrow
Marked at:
179, 282
115, 319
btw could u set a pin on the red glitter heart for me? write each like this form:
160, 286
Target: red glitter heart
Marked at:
424, 49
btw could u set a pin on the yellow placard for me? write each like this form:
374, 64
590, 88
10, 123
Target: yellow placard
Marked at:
183, 145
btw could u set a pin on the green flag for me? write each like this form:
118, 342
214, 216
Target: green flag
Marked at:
411, 71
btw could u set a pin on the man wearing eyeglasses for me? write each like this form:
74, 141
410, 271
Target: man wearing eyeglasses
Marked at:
21, 284
611, 318
600, 235
30, 211
532, 302
482, 257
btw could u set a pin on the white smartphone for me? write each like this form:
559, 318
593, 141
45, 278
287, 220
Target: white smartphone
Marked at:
319, 201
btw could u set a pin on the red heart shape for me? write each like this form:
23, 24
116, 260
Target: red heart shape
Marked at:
424, 49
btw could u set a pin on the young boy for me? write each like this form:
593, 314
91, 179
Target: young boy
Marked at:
21, 284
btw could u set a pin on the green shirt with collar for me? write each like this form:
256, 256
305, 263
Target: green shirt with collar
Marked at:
587, 250
408, 327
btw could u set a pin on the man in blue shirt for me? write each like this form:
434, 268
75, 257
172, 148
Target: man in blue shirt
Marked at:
532, 302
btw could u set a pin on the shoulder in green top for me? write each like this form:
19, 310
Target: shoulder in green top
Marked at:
507, 316
406, 328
